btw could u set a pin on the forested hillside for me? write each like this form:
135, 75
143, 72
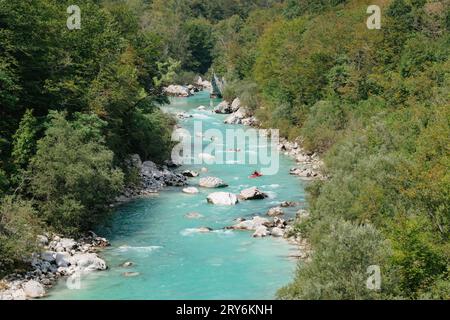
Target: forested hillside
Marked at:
375, 104
73, 105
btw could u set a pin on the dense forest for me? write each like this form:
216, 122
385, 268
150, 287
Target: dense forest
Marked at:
74, 104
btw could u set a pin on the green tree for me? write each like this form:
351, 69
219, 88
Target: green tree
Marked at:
24, 143
200, 45
72, 174
338, 269
18, 232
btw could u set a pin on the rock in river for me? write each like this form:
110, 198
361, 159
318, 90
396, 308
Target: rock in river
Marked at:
127, 264
222, 198
277, 211
212, 182
130, 274
223, 108
252, 194
277, 232
177, 91
252, 224
88, 262
236, 117
193, 215
190, 190
189, 173
260, 232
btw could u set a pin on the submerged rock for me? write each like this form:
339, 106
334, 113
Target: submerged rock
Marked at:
194, 215
127, 264
130, 274
222, 198
190, 190
203, 230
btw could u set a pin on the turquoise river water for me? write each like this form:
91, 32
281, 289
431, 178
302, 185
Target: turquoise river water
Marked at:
175, 263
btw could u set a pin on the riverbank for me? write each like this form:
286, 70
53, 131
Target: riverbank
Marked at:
60, 257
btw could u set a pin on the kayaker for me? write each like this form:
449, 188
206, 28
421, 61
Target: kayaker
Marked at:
256, 174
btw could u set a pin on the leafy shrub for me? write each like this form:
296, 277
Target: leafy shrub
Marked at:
338, 269
72, 174
19, 227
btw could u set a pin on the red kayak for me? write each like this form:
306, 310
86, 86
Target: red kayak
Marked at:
256, 175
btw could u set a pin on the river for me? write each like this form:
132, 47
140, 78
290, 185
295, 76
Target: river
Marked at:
175, 263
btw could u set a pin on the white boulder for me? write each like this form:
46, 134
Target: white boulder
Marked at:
177, 90
190, 190
211, 182
252, 194
33, 289
88, 262
222, 198
67, 244
62, 259
252, 224
277, 211
236, 117
235, 105
223, 108
277, 232
260, 232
